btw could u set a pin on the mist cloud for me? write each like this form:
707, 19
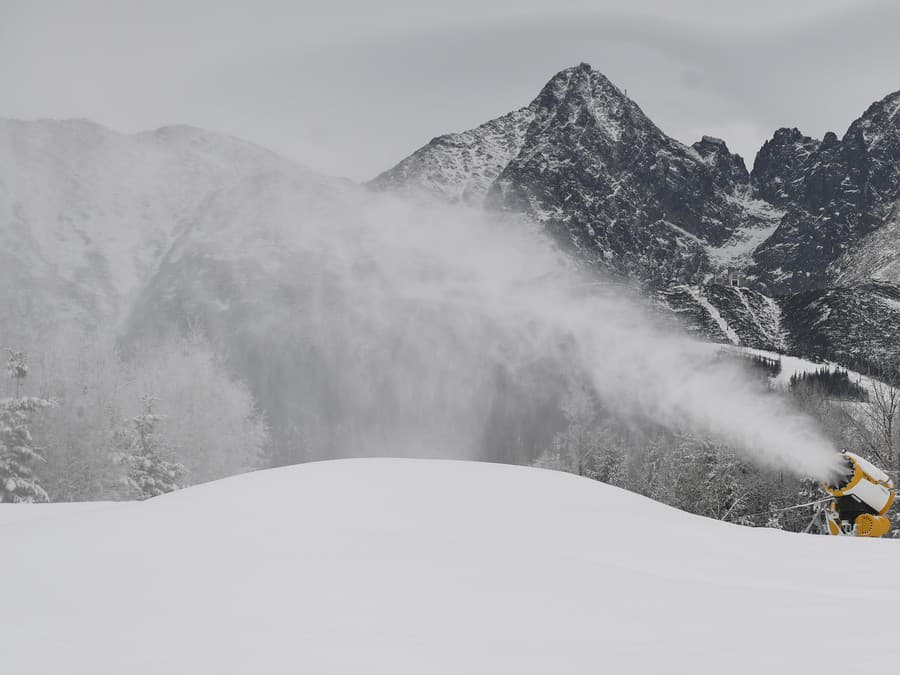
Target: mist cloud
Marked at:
413, 309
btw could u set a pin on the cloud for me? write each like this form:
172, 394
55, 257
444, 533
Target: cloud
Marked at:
350, 88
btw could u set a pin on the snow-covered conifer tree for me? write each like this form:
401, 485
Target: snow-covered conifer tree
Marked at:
18, 482
149, 473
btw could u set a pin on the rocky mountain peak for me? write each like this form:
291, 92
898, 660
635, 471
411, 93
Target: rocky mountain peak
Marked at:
779, 165
881, 121
585, 97
605, 180
837, 193
829, 140
711, 144
462, 166
730, 169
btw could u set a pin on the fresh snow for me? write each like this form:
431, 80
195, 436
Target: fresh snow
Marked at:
738, 249
413, 566
763, 220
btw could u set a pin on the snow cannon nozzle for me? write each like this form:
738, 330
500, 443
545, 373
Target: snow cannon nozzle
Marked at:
842, 472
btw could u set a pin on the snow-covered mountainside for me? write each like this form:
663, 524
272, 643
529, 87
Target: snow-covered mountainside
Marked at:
585, 161
625, 197
87, 214
739, 316
854, 325
461, 166
414, 566
166, 232
603, 178
858, 323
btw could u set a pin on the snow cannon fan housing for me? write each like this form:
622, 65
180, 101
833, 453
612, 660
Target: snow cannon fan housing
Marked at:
863, 494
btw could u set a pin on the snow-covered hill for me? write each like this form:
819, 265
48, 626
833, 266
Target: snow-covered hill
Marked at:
412, 566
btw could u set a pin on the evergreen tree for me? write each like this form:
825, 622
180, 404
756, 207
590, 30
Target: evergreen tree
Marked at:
17, 367
18, 482
149, 473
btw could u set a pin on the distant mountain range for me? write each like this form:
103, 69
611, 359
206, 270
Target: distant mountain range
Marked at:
813, 231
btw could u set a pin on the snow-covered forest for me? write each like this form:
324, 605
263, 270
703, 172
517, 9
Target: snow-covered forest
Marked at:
99, 424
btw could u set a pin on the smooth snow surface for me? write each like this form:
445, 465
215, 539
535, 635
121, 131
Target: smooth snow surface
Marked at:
413, 566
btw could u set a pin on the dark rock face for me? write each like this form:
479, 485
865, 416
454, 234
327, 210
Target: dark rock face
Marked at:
779, 166
847, 325
729, 170
605, 180
836, 192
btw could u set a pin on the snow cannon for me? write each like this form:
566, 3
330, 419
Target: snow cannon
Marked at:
862, 493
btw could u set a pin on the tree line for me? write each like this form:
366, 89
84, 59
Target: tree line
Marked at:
80, 420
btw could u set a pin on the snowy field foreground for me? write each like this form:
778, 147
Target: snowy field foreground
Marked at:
417, 567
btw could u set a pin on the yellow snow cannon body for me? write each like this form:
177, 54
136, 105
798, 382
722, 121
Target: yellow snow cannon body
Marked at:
868, 525
862, 497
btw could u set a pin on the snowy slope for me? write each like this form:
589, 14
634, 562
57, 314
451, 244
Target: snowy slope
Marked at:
411, 566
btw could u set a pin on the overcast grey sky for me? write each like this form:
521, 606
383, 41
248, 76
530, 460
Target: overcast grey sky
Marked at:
350, 87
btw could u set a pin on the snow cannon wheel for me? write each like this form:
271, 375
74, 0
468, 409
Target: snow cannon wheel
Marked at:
868, 525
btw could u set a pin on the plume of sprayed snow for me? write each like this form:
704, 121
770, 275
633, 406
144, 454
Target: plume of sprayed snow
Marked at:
414, 307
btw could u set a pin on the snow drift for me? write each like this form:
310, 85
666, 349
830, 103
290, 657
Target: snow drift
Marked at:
413, 566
